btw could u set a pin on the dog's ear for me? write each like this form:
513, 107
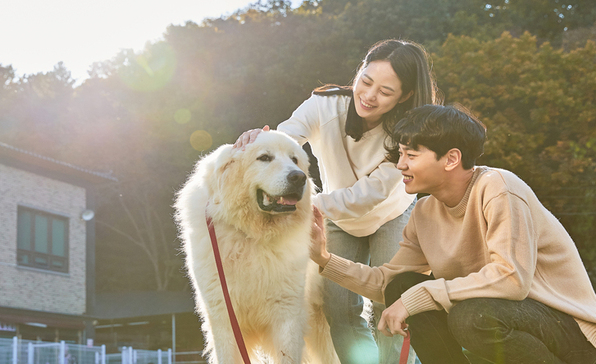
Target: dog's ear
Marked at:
224, 159
220, 161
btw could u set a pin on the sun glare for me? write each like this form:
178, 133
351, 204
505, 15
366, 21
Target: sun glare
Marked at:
39, 33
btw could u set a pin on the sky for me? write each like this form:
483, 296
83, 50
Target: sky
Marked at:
37, 34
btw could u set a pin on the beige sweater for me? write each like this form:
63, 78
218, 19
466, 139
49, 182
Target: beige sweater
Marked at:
499, 241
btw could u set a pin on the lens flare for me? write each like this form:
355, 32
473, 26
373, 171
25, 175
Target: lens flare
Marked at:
201, 140
150, 70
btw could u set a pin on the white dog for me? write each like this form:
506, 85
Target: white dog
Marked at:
259, 200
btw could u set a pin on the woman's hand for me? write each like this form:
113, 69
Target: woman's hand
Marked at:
393, 320
248, 137
318, 247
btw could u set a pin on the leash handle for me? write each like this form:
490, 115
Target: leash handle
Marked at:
405, 349
224, 287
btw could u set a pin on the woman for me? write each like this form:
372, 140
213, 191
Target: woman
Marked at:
363, 197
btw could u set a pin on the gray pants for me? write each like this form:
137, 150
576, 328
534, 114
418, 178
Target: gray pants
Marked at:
351, 334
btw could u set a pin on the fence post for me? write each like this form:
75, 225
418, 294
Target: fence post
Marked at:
134, 356
30, 353
169, 356
15, 350
158, 356
62, 359
130, 355
124, 355
174, 337
103, 354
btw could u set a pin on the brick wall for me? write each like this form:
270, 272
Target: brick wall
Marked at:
34, 289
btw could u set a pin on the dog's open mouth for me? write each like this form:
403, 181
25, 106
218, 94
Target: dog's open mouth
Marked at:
285, 203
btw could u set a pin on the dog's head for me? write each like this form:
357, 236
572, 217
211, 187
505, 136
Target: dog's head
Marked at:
265, 183
277, 170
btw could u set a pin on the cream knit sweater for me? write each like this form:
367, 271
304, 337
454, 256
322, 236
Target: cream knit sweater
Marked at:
361, 189
499, 241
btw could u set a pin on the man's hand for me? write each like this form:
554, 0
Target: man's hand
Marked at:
248, 137
318, 246
393, 320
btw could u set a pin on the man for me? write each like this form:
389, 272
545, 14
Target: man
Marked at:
482, 265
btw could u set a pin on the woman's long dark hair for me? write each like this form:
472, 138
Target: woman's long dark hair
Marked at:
411, 65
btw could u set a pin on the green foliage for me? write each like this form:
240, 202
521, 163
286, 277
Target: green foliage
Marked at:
32, 108
8, 94
538, 105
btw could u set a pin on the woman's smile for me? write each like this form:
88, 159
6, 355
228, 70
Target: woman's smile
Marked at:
378, 90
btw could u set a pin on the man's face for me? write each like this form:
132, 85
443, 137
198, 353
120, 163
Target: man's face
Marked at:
422, 172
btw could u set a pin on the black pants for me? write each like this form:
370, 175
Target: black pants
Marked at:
497, 330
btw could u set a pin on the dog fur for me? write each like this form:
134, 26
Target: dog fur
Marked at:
275, 289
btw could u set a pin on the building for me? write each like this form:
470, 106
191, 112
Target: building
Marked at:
47, 247
47, 266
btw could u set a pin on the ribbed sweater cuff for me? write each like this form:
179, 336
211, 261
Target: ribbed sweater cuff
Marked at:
335, 268
589, 330
417, 299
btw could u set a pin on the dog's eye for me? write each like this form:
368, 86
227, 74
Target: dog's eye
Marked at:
265, 158
295, 160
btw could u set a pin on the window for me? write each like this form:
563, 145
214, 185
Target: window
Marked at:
42, 240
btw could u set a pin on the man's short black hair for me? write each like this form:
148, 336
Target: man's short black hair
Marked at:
439, 128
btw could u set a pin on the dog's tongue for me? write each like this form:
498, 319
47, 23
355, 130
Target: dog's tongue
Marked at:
287, 201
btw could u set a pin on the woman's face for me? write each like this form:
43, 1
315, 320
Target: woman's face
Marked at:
376, 91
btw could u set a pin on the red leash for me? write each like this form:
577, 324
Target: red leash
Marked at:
405, 349
224, 287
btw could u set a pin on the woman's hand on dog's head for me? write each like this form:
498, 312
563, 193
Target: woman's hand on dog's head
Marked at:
318, 247
248, 137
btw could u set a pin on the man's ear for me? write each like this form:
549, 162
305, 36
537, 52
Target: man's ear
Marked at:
453, 159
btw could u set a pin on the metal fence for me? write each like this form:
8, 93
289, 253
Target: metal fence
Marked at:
7, 350
132, 356
189, 357
15, 351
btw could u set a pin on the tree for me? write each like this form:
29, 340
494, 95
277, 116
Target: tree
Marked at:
39, 103
134, 215
148, 116
8, 93
538, 105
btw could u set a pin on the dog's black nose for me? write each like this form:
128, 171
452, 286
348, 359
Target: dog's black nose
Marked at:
297, 178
